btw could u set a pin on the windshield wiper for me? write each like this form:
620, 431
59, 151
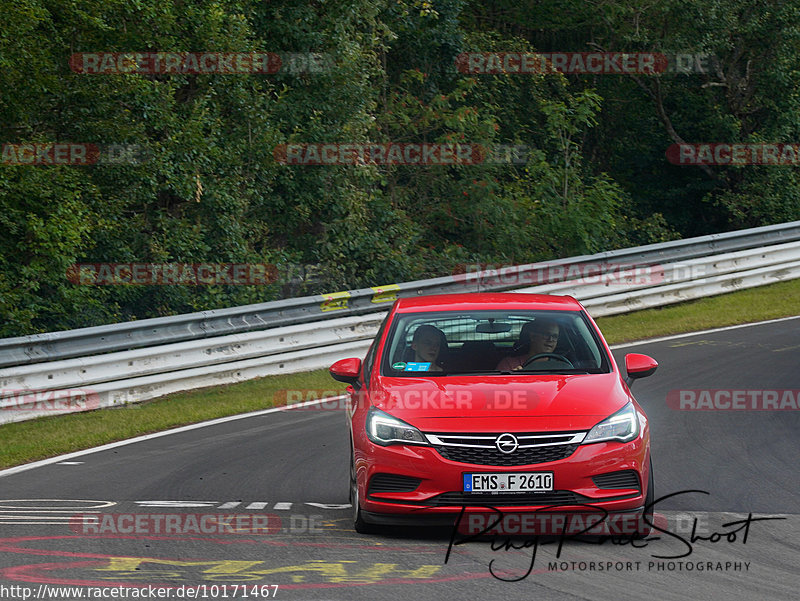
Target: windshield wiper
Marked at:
566, 372
515, 372
475, 372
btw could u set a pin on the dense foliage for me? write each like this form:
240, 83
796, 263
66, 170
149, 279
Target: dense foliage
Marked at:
209, 189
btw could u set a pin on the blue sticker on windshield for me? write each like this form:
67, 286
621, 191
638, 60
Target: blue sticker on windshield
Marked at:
411, 366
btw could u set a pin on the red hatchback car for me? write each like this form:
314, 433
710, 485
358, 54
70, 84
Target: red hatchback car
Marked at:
500, 400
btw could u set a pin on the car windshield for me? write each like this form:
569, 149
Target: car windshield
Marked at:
492, 342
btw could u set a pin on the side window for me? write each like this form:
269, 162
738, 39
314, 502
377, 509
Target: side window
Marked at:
369, 360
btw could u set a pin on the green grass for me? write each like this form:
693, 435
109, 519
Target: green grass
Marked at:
30, 440
746, 306
45, 437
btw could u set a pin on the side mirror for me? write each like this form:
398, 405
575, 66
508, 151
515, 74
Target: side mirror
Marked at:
639, 366
346, 370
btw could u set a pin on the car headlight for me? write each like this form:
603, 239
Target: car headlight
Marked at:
622, 426
383, 429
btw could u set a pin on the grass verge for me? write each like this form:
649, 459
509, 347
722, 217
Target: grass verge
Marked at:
22, 442
31, 440
745, 306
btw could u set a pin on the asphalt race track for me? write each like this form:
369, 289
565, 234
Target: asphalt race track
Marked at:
289, 470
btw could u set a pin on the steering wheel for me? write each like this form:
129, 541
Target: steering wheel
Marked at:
555, 356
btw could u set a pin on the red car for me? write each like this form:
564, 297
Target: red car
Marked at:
496, 402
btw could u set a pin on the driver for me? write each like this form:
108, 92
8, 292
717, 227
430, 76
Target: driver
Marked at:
542, 338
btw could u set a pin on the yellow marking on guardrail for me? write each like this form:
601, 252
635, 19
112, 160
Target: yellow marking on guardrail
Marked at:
385, 294
335, 301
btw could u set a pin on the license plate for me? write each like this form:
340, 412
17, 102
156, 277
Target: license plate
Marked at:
508, 482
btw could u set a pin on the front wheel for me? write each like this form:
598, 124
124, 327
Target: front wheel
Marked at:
359, 525
643, 527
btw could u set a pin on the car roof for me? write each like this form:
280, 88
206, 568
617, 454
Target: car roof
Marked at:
514, 301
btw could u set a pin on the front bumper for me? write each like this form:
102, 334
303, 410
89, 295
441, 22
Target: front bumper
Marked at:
438, 498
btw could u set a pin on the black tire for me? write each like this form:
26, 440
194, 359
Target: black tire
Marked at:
643, 527
359, 525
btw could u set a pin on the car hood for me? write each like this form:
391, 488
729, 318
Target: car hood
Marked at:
499, 403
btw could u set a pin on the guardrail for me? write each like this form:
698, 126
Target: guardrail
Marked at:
146, 333
141, 360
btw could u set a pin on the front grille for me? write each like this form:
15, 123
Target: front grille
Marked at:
392, 483
480, 449
621, 479
495, 457
556, 497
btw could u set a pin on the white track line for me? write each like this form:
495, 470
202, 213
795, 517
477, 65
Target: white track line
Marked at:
122, 443
230, 418
687, 335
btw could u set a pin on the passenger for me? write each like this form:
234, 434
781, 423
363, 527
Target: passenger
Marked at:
427, 344
540, 337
